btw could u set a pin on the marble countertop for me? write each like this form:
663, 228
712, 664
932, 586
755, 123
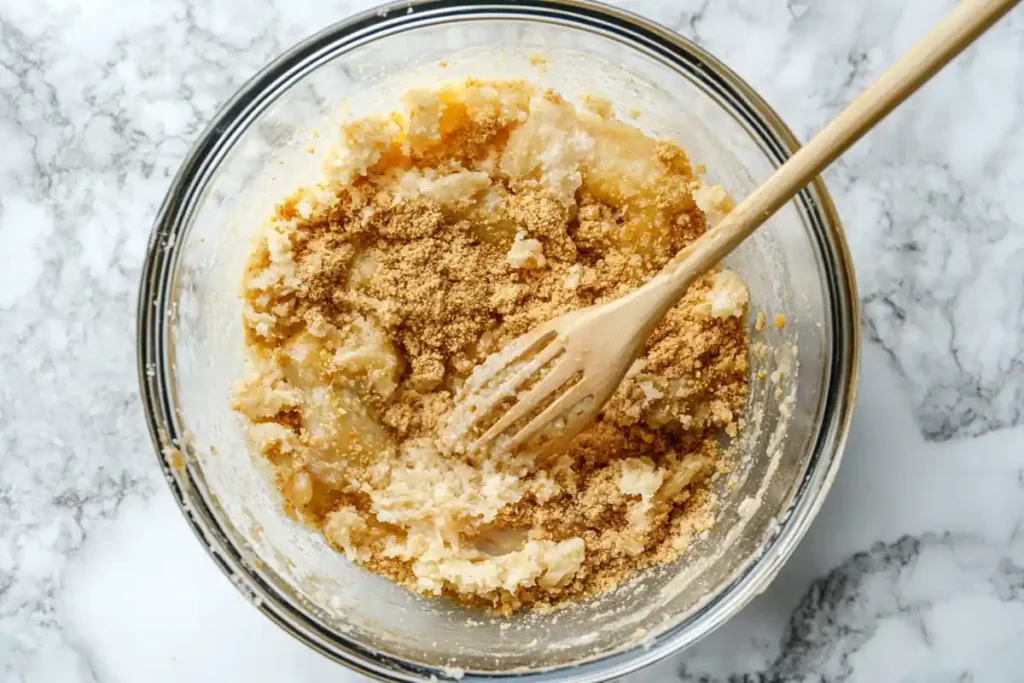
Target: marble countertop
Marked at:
914, 570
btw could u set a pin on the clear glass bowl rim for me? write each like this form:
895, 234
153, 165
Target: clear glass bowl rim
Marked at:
156, 383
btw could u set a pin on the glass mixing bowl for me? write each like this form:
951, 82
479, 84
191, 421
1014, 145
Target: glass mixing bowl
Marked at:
190, 338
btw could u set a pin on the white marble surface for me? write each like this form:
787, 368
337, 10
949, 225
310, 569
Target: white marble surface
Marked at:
913, 572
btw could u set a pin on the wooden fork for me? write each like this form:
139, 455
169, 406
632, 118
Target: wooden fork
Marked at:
558, 376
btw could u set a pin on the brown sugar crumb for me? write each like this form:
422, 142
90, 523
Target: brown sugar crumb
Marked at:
435, 240
759, 323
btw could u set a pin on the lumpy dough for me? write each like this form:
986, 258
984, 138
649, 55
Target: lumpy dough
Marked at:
438, 234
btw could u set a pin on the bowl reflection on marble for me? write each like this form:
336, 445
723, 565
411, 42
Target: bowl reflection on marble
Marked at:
190, 339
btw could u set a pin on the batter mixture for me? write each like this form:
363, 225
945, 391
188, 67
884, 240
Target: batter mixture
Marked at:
439, 234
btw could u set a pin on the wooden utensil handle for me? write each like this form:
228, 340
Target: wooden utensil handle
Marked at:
959, 29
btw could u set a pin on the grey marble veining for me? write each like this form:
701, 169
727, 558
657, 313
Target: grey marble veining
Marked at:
100, 101
98, 106
842, 612
890, 613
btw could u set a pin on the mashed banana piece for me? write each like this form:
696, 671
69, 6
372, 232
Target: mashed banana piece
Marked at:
439, 234
727, 296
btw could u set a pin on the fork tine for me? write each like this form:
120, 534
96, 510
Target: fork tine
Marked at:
550, 382
495, 363
546, 355
472, 405
560, 405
